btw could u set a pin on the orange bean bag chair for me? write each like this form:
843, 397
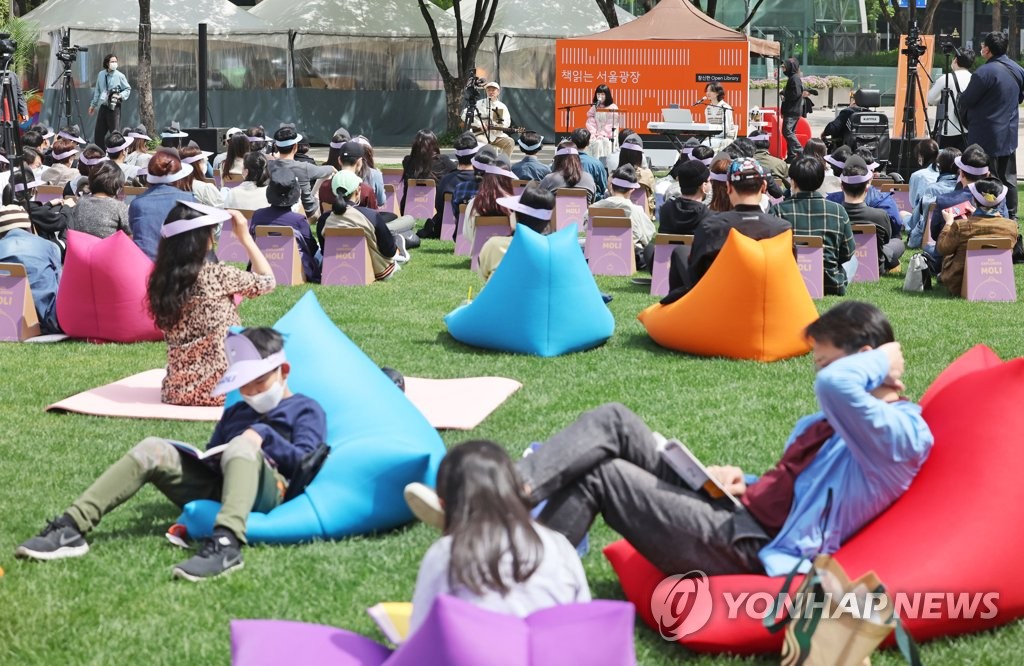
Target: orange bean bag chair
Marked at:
751, 304
950, 546
102, 293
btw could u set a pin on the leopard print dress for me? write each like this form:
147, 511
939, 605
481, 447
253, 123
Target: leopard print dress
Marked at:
195, 345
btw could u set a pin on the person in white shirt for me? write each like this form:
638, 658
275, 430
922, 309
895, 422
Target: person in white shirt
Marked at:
492, 553
718, 111
951, 130
495, 120
251, 194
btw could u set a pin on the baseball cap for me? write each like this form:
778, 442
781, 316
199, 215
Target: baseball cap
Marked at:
745, 169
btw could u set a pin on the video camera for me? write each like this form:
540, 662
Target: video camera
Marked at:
67, 53
914, 48
474, 83
7, 47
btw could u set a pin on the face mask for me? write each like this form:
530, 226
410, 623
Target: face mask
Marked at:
113, 66
266, 401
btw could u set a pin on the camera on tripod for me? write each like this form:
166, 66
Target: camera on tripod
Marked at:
914, 48
67, 53
7, 47
471, 92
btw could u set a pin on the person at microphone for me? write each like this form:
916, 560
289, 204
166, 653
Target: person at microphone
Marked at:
601, 122
718, 111
492, 120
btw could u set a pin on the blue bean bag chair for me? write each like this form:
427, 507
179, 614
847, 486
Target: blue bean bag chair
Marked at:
379, 441
542, 300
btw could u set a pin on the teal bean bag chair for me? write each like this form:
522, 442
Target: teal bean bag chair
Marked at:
379, 441
542, 300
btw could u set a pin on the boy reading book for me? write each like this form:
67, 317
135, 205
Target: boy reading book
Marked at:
267, 435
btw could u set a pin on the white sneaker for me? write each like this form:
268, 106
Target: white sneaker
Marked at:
425, 504
402, 255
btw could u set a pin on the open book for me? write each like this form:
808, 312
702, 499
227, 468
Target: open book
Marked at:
693, 472
211, 454
393, 619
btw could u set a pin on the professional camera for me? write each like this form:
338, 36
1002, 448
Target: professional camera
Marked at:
114, 97
67, 54
7, 47
914, 48
471, 92
947, 47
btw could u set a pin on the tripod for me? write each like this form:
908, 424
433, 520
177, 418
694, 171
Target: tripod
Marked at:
66, 99
914, 49
9, 134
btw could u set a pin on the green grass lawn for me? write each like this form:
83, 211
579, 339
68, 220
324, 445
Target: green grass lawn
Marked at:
118, 605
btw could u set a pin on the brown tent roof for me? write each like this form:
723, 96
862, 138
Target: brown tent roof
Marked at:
680, 20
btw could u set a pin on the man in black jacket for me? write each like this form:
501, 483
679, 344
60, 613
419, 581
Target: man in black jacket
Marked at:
989, 108
747, 181
792, 107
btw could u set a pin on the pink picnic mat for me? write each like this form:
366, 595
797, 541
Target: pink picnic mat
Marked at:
453, 404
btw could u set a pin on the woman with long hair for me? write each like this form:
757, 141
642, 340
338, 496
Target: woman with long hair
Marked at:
567, 171
720, 201
192, 299
602, 121
492, 553
370, 174
251, 194
495, 184
232, 167
147, 212
424, 161
204, 191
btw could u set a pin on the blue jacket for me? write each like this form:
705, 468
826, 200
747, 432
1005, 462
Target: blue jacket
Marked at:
943, 184
877, 199
877, 449
597, 171
41, 260
959, 194
284, 217
104, 82
147, 212
989, 106
530, 168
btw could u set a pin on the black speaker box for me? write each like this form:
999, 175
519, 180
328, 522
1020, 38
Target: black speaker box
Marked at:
208, 138
904, 163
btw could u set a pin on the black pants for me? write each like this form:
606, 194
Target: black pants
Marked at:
107, 121
1004, 167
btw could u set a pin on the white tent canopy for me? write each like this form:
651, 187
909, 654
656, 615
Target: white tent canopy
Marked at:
244, 52
521, 52
379, 18
363, 45
90, 20
550, 20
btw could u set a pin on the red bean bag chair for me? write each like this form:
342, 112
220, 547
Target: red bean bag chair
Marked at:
751, 304
102, 292
954, 531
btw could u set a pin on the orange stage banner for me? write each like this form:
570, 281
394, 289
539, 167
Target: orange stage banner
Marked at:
647, 76
920, 103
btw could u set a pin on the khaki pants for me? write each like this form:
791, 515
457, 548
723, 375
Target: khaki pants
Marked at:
243, 481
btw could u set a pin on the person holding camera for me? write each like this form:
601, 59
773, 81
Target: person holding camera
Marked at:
951, 133
111, 90
988, 106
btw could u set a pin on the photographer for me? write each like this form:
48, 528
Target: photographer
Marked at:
951, 134
111, 90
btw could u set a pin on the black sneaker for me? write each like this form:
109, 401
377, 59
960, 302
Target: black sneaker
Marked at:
58, 540
220, 554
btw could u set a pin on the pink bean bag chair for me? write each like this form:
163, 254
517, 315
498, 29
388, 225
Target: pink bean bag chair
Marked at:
102, 293
954, 531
